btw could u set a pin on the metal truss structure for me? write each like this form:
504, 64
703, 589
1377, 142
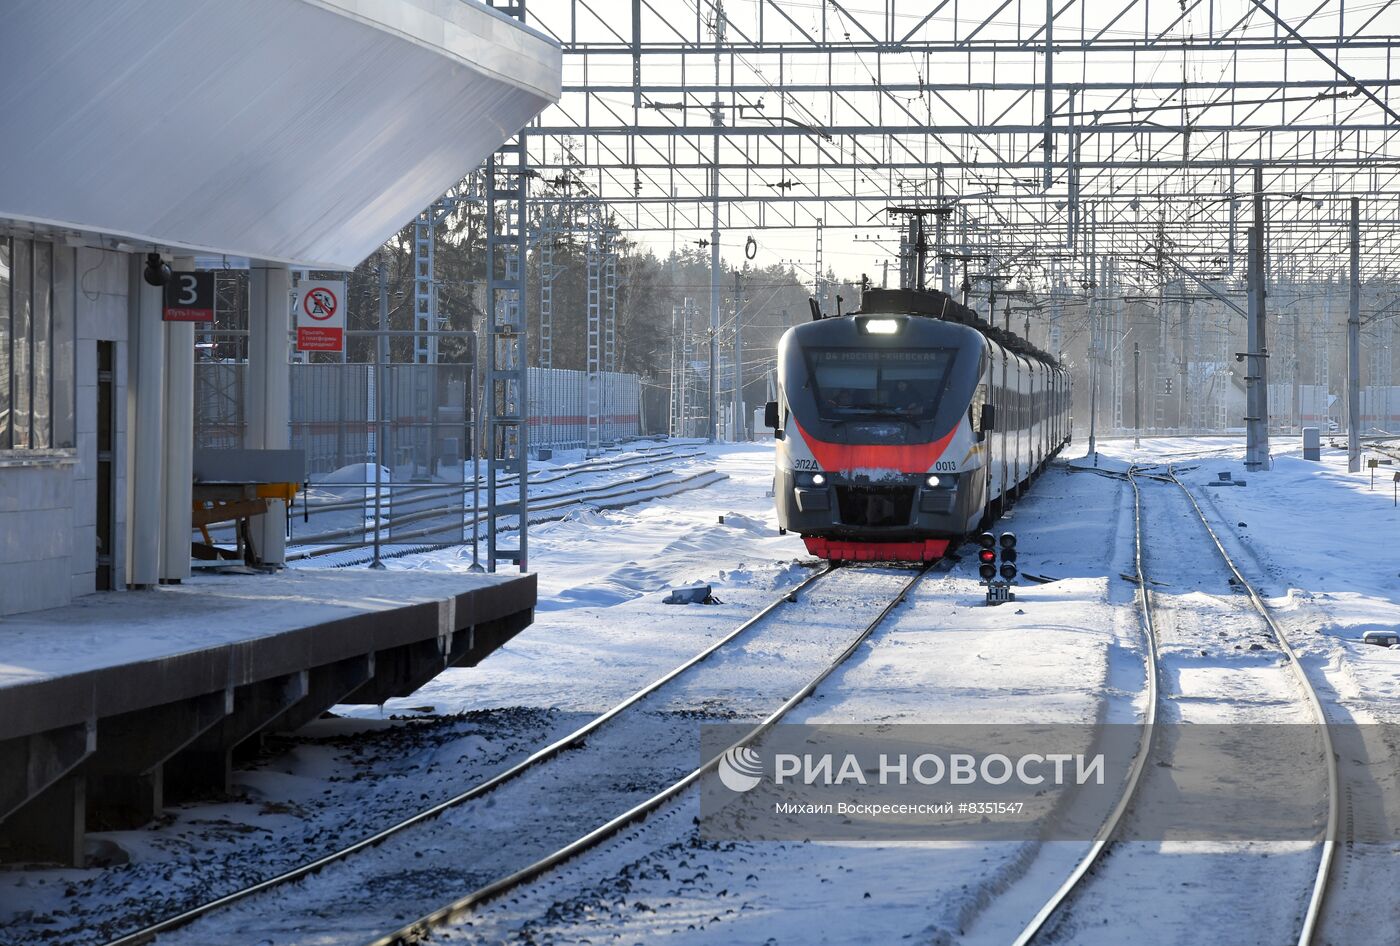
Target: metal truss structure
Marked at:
1027, 118
507, 178
1049, 136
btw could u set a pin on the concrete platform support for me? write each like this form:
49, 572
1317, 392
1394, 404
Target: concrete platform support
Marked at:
50, 828
326, 686
269, 382
108, 744
205, 766
402, 670
39, 760
125, 778
178, 461
146, 425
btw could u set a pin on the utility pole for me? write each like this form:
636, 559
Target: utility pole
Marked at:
675, 372
1137, 389
1094, 344
1297, 373
717, 120
381, 358
1049, 144
740, 427
1256, 354
1184, 372
1265, 462
1354, 345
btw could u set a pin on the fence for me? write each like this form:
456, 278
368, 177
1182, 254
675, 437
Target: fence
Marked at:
426, 410
559, 407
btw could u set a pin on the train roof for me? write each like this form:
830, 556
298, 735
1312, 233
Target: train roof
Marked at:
939, 305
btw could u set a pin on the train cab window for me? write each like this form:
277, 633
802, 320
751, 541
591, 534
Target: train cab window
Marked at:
851, 383
974, 410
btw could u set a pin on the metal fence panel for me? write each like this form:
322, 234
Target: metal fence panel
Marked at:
333, 414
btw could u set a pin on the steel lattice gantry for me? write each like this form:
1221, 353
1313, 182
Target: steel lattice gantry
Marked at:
1101, 156
1022, 115
507, 395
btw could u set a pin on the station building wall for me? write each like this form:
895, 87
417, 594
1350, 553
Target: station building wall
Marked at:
58, 304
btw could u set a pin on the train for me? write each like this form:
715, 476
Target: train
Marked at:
907, 425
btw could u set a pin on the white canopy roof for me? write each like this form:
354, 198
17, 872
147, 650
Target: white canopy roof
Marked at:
300, 131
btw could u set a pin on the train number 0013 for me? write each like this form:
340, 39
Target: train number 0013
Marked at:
946, 466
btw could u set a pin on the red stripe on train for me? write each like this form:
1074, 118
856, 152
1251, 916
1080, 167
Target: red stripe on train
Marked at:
905, 458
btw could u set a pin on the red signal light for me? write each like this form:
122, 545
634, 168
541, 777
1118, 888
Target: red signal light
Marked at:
987, 555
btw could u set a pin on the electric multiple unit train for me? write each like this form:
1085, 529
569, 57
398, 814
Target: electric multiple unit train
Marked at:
907, 425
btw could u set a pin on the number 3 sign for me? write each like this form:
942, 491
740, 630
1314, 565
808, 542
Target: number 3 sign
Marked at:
189, 297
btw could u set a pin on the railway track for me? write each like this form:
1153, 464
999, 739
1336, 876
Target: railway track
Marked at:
544, 507
459, 844
1047, 925
407, 498
414, 932
428, 514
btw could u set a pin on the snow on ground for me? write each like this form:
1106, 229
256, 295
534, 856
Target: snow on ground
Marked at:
599, 630
1315, 540
1067, 651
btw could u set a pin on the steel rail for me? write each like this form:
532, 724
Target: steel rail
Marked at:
1115, 817
1329, 839
544, 754
547, 502
413, 508
414, 932
426, 492
1101, 839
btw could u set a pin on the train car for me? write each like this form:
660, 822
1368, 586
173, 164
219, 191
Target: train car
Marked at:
908, 424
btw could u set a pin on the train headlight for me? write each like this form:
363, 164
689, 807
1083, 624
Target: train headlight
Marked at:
880, 326
818, 479
810, 479
933, 479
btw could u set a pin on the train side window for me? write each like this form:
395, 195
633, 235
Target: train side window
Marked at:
974, 410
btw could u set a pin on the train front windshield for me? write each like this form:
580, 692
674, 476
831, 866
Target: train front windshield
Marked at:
857, 383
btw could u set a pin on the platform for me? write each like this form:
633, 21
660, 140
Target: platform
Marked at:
120, 701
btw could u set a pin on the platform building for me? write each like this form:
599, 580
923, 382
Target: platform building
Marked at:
297, 134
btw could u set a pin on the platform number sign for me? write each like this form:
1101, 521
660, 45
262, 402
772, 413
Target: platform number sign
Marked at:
321, 316
189, 297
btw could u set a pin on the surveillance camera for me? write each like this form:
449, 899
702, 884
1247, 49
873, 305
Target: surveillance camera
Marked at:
157, 272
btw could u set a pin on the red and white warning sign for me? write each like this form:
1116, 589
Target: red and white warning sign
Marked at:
321, 316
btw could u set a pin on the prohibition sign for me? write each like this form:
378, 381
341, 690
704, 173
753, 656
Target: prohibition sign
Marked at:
320, 303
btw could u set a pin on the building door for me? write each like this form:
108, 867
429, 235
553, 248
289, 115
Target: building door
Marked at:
106, 472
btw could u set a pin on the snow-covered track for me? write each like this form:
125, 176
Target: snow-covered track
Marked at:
1328, 845
578, 737
1060, 902
420, 929
1149, 724
412, 497
546, 507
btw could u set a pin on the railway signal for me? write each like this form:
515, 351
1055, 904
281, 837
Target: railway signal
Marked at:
987, 556
997, 579
1008, 556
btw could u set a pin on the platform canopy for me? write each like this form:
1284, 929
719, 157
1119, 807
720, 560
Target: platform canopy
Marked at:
296, 131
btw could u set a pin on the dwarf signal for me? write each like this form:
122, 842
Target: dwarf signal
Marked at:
997, 579
1008, 556
987, 556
